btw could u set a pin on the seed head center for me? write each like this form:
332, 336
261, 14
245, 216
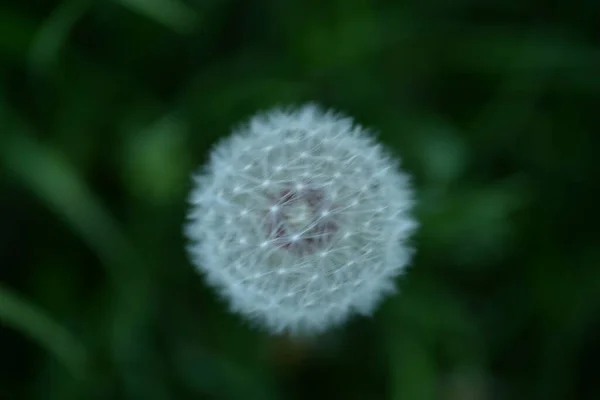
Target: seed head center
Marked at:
296, 220
298, 215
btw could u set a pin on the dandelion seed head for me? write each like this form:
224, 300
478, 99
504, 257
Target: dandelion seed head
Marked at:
306, 225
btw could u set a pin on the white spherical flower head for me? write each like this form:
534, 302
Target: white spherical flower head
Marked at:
300, 219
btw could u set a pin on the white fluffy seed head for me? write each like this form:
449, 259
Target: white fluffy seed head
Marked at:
321, 218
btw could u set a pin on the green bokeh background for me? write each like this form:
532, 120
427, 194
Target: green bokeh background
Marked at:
107, 107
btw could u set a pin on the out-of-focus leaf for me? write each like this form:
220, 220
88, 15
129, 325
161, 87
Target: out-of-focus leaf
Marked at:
472, 225
48, 175
528, 53
171, 13
30, 320
412, 368
441, 152
570, 304
53, 34
154, 160
17, 33
218, 376
422, 324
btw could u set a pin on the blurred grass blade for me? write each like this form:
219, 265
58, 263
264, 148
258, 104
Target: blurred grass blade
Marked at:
412, 368
48, 175
20, 315
54, 32
18, 29
171, 13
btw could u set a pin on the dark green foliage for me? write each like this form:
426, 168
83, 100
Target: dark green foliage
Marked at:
107, 107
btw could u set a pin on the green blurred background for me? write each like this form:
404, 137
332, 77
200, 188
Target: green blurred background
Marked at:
107, 107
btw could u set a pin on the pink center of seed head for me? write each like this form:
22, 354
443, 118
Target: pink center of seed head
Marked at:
299, 220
